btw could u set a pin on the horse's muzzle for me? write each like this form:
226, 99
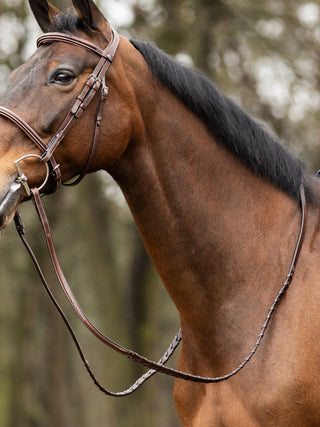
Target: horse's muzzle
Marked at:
9, 203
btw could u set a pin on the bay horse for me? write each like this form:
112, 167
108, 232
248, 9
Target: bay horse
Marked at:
214, 194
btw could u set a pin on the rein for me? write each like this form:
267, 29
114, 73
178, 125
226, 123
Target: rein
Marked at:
154, 367
95, 82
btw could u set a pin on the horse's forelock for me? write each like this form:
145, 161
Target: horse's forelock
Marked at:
68, 23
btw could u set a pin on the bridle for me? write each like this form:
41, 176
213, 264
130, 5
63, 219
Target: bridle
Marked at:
96, 81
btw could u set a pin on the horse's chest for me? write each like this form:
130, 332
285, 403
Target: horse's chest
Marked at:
218, 405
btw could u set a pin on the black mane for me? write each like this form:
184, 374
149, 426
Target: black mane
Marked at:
247, 138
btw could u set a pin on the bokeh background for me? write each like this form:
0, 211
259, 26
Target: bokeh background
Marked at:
263, 54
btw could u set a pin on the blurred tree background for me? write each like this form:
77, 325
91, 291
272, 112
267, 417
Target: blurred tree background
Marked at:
265, 55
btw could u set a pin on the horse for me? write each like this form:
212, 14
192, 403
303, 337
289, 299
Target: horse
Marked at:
215, 195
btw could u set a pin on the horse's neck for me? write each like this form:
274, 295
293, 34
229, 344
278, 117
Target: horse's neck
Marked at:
220, 237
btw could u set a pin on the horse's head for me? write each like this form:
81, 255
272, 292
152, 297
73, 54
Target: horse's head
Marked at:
45, 89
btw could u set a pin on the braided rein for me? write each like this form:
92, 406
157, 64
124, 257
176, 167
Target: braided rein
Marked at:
154, 367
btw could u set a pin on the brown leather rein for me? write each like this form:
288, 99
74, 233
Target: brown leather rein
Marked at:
95, 82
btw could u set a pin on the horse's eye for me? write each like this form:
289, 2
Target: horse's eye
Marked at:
63, 78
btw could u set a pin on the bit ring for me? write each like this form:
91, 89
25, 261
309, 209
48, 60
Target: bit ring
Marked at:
23, 179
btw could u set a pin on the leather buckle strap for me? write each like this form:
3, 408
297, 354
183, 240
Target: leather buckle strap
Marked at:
85, 97
93, 83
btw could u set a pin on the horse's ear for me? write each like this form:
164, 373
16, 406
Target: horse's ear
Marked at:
44, 13
91, 15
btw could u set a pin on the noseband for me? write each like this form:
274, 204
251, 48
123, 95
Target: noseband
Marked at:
96, 81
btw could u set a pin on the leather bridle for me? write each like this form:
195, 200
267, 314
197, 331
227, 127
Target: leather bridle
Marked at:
95, 82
